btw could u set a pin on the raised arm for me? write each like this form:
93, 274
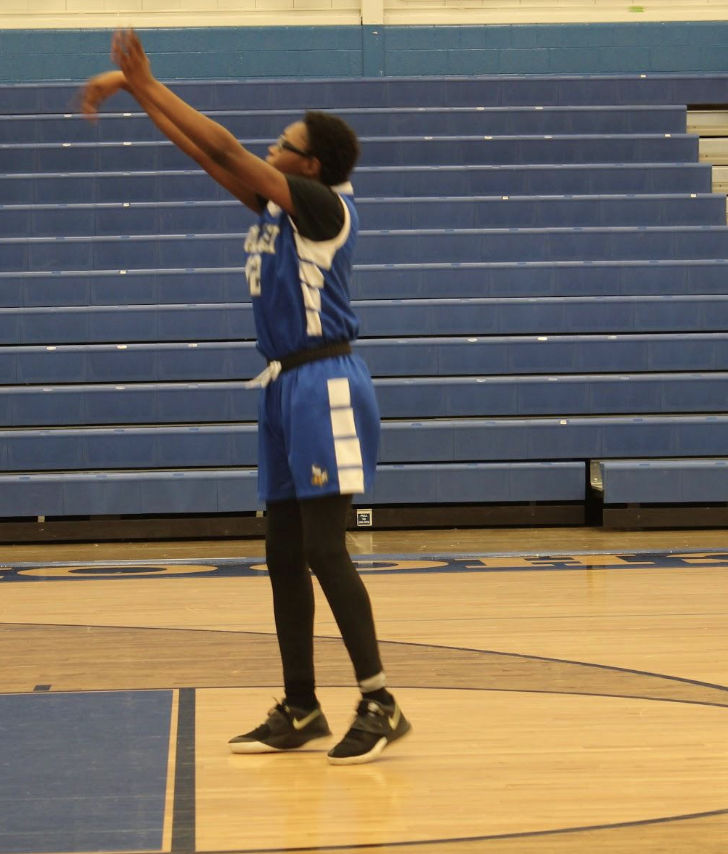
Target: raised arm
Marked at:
212, 139
99, 88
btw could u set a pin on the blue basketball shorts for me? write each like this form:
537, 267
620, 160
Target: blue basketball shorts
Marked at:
318, 431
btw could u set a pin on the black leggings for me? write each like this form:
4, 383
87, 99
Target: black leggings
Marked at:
312, 533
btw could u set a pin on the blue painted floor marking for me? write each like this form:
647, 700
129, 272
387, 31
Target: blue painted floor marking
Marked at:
83, 772
411, 563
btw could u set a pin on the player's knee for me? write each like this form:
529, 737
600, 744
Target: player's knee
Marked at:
326, 552
284, 538
284, 557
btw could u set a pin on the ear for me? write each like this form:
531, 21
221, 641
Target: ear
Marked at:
312, 168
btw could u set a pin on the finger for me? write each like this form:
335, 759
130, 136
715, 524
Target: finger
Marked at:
134, 46
116, 46
140, 49
120, 41
129, 50
116, 51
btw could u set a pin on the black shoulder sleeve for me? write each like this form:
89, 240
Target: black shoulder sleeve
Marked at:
319, 211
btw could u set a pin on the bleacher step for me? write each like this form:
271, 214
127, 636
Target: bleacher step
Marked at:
662, 481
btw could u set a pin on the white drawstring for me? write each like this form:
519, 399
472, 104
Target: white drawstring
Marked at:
266, 376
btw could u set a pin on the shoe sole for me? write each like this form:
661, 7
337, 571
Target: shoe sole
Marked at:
247, 747
373, 754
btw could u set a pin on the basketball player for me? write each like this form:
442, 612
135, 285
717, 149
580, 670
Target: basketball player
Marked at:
318, 416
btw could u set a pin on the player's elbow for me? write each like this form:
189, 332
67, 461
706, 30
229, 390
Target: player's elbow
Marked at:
220, 155
223, 149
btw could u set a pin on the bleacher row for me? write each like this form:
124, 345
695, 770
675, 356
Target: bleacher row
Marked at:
102, 220
397, 121
570, 90
484, 357
391, 151
540, 280
434, 440
522, 179
513, 395
430, 246
519, 316
518, 279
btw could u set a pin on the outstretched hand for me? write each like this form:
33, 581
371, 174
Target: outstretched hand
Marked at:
97, 90
127, 52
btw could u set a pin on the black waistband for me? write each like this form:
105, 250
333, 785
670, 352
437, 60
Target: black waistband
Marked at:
328, 351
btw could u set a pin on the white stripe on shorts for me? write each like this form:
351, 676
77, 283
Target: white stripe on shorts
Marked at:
346, 442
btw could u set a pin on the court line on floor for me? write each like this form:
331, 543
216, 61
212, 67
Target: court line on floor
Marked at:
184, 810
607, 667
464, 839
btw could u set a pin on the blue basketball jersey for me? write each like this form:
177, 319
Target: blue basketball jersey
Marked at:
300, 287
318, 428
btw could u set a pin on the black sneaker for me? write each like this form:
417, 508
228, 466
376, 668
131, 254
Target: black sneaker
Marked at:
374, 727
286, 729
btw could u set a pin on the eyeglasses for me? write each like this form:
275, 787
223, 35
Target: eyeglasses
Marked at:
284, 145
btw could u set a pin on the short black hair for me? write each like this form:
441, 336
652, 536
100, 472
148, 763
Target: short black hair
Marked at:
334, 144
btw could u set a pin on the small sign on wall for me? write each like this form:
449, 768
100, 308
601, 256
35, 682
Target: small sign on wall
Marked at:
364, 518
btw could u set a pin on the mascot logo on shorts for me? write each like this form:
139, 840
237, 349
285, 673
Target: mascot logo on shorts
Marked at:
319, 477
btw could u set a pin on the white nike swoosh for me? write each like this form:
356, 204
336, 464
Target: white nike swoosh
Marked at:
395, 720
300, 724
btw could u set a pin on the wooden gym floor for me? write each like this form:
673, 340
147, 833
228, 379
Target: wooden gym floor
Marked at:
568, 690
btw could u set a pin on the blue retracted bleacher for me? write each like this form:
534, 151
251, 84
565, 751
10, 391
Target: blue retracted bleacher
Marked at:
436, 440
395, 246
397, 357
551, 395
219, 321
133, 492
527, 179
525, 244
375, 151
453, 280
481, 90
478, 482
672, 481
121, 127
378, 318
234, 490
540, 280
411, 397
523, 179
141, 218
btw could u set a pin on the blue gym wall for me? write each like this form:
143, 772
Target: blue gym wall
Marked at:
45, 55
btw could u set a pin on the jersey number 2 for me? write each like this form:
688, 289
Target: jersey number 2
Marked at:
252, 274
